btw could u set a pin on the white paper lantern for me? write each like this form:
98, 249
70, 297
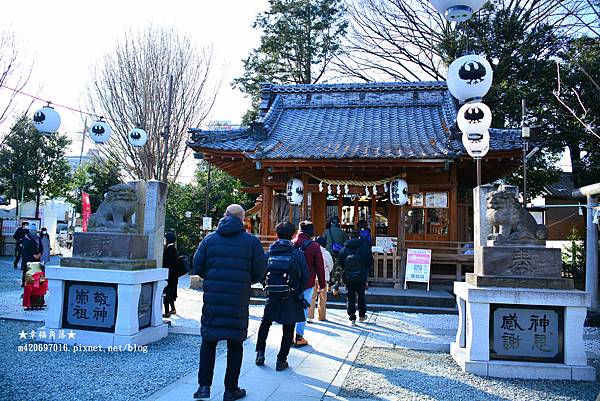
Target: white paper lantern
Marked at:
469, 77
100, 131
457, 10
478, 145
137, 137
46, 120
295, 191
399, 192
474, 118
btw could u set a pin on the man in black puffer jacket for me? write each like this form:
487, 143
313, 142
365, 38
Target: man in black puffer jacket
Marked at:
229, 260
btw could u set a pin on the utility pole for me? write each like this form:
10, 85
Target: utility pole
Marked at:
165, 171
525, 133
82, 142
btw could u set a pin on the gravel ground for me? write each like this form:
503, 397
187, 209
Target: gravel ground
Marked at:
398, 374
90, 375
393, 329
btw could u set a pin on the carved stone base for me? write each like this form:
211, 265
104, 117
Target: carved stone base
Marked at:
108, 263
110, 245
518, 261
520, 282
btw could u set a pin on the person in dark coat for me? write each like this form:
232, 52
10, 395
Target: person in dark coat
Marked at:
284, 308
355, 260
18, 236
229, 260
32, 245
171, 262
316, 272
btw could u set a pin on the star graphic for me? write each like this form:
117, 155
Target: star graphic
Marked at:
71, 334
22, 335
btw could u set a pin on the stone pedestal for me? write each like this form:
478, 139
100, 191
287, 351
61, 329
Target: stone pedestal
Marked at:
132, 301
488, 347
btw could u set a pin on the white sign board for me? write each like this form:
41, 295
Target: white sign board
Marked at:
207, 223
418, 266
384, 243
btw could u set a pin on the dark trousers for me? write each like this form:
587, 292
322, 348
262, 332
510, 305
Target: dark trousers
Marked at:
286, 339
356, 290
18, 253
208, 351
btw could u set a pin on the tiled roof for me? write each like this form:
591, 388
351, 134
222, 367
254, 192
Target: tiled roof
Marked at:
563, 188
398, 120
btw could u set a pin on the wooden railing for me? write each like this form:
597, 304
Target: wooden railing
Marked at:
388, 268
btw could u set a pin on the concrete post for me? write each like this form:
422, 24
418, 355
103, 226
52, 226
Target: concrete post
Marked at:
591, 255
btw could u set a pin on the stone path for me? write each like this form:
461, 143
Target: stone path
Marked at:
316, 371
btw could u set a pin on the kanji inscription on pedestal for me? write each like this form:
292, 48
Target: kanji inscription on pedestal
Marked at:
90, 306
526, 333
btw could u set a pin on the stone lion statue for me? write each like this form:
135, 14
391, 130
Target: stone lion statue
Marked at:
115, 211
510, 222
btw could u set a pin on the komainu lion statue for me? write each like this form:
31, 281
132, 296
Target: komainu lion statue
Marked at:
510, 222
115, 211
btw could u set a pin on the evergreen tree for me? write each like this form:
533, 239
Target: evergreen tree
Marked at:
300, 38
32, 164
94, 178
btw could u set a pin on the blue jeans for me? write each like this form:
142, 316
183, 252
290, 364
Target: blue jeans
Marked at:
300, 326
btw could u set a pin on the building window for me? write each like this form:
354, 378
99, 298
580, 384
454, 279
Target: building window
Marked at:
428, 213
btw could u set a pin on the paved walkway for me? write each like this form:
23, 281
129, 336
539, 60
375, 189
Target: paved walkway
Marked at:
316, 371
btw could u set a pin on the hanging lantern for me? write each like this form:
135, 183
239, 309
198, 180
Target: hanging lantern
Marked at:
321, 186
469, 77
46, 120
100, 131
137, 137
457, 10
474, 118
399, 192
477, 145
295, 191
346, 189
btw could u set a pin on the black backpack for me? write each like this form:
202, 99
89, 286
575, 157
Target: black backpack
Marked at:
353, 268
279, 282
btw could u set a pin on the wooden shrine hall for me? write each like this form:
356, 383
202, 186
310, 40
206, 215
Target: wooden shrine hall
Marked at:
346, 142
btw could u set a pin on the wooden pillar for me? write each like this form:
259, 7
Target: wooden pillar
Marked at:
340, 208
355, 219
453, 205
393, 213
267, 205
373, 216
319, 211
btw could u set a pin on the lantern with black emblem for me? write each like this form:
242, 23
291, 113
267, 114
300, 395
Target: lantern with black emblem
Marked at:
295, 191
398, 192
46, 120
469, 77
457, 10
100, 131
137, 137
474, 119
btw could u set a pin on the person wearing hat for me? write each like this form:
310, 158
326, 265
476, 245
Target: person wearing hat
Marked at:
171, 262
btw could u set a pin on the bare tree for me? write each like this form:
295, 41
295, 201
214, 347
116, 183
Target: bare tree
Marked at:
131, 88
14, 73
404, 39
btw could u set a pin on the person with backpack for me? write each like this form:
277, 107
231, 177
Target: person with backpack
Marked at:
316, 271
335, 237
284, 284
355, 259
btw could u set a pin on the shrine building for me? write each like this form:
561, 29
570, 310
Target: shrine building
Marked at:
347, 142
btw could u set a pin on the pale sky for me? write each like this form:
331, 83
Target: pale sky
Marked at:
65, 38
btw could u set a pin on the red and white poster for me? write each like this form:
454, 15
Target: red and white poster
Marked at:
86, 210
